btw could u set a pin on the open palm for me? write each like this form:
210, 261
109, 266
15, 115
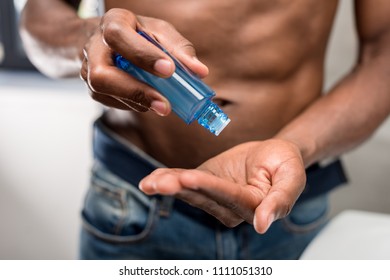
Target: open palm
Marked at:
257, 182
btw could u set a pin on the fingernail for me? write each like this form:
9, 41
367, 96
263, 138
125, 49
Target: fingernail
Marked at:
159, 107
147, 187
164, 67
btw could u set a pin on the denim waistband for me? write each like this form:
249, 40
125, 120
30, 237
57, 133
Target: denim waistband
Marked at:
132, 164
323, 179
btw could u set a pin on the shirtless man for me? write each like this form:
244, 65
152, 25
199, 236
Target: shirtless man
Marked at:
265, 61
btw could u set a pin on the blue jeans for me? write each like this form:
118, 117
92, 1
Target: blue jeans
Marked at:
120, 222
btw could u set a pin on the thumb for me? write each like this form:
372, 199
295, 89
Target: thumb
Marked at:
184, 51
274, 206
186, 54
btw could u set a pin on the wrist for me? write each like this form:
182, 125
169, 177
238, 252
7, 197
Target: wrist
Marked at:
305, 145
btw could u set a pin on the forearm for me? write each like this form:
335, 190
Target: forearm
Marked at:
54, 40
349, 114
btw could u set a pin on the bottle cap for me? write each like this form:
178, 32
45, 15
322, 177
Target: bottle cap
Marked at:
213, 119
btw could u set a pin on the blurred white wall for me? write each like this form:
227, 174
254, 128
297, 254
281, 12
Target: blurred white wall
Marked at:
45, 156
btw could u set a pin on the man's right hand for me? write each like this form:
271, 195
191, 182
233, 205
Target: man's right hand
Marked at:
117, 33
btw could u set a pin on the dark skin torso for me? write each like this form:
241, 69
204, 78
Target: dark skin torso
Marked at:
266, 62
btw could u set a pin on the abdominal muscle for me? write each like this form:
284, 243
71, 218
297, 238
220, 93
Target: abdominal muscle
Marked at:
262, 78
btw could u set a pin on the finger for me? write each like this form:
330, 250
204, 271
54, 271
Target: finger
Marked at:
178, 46
184, 51
115, 102
199, 200
108, 100
172, 182
161, 181
84, 70
271, 208
119, 33
166, 182
240, 199
167, 178
106, 79
228, 194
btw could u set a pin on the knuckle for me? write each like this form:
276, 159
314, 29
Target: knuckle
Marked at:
111, 32
185, 44
112, 24
138, 96
180, 44
96, 78
162, 25
115, 14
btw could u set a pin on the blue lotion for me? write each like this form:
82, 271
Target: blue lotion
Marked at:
190, 98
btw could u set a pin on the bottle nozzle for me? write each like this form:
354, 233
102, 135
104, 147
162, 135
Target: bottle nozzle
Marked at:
213, 119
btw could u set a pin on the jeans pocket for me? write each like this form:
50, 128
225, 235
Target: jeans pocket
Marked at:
308, 216
115, 214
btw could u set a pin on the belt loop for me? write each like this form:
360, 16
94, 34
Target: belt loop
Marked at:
165, 206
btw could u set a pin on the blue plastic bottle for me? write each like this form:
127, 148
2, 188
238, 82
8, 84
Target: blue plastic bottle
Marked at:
190, 98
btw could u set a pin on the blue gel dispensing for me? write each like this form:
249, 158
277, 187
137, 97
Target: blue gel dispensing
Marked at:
189, 96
